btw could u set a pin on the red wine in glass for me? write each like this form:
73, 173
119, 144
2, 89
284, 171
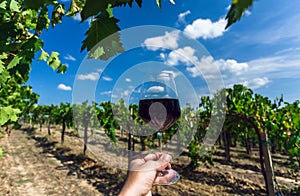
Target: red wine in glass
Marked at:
159, 108
161, 113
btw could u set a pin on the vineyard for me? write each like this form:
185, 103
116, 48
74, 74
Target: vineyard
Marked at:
236, 142
252, 122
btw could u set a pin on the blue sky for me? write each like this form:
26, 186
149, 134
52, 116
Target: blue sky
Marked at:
262, 51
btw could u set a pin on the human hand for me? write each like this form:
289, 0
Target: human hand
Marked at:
146, 171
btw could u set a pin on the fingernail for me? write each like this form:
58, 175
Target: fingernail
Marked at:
166, 158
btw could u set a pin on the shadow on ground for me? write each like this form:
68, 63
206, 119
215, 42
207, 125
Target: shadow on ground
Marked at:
106, 180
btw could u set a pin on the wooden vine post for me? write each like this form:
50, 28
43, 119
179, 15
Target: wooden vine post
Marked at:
264, 154
267, 170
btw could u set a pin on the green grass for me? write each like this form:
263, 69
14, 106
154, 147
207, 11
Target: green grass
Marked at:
20, 181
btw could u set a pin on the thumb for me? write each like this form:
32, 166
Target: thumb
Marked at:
158, 165
163, 162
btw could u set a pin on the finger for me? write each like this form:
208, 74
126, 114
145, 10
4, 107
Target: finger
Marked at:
169, 166
152, 156
166, 158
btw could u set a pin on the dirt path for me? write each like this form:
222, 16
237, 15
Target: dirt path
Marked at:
36, 164
27, 169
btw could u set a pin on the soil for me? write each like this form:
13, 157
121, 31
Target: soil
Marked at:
34, 164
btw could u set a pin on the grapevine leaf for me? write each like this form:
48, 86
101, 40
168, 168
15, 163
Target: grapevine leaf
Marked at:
57, 14
236, 11
92, 8
1, 67
3, 56
54, 61
97, 53
14, 6
13, 62
44, 56
76, 7
3, 5
4, 76
139, 2
110, 11
118, 3
102, 27
61, 69
158, 2
36, 5
43, 21
33, 44
8, 114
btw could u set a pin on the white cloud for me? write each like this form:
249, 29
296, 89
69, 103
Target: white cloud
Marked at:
91, 76
173, 73
281, 66
232, 66
247, 13
127, 79
277, 28
155, 89
125, 93
69, 57
181, 16
106, 78
256, 83
205, 28
184, 55
207, 68
64, 87
167, 41
106, 93
100, 70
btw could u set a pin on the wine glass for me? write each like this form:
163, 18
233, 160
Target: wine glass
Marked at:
159, 108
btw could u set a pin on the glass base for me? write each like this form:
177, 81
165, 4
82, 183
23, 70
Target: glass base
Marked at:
167, 177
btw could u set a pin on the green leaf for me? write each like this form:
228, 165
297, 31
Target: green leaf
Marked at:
57, 14
44, 56
99, 37
14, 6
2, 57
97, 53
43, 20
139, 2
14, 62
33, 44
4, 76
8, 114
3, 5
92, 8
76, 7
110, 11
1, 67
238, 7
54, 61
1, 153
61, 69
158, 2
119, 3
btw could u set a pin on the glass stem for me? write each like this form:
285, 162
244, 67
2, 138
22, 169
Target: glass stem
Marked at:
160, 141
